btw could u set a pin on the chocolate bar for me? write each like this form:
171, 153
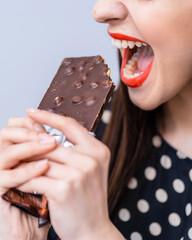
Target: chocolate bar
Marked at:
80, 89
34, 204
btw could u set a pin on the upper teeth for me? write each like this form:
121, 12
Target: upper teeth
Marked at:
124, 43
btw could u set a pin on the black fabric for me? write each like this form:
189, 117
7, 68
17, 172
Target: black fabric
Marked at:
157, 203
52, 235
158, 200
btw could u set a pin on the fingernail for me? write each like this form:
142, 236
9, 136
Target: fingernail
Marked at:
41, 164
46, 139
38, 127
33, 110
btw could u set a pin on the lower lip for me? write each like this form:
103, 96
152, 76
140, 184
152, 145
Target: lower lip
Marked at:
137, 81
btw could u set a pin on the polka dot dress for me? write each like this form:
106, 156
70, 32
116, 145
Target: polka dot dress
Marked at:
157, 203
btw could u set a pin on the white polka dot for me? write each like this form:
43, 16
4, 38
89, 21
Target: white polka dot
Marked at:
181, 155
143, 206
124, 215
156, 140
106, 117
188, 209
165, 161
161, 195
174, 219
178, 185
150, 173
182, 238
190, 174
136, 236
132, 183
155, 229
190, 233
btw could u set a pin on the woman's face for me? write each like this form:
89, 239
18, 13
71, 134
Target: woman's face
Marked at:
158, 71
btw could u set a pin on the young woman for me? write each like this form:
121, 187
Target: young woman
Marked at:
148, 192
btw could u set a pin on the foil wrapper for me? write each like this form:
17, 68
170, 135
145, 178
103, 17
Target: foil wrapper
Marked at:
33, 203
59, 136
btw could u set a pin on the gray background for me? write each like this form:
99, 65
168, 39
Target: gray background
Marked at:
34, 38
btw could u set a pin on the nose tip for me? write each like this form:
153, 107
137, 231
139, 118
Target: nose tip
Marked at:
106, 11
97, 13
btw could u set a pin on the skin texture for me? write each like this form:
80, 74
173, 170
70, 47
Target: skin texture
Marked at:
165, 26
19, 141
70, 183
69, 179
158, 23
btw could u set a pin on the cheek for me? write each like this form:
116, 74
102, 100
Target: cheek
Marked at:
161, 86
167, 29
170, 39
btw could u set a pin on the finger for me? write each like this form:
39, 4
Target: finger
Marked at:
60, 171
74, 132
42, 185
25, 172
17, 135
72, 158
84, 142
95, 149
13, 154
26, 122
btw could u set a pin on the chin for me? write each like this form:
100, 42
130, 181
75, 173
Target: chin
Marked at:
143, 101
145, 106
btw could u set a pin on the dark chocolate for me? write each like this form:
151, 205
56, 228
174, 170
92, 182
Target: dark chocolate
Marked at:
34, 204
86, 91
80, 89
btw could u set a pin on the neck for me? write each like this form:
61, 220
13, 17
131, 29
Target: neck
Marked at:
177, 129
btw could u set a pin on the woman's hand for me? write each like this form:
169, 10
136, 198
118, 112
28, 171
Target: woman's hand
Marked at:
76, 182
21, 140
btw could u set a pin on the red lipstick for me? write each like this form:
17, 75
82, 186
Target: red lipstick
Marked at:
124, 37
129, 80
136, 81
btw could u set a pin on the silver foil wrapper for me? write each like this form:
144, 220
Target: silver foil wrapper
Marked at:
60, 137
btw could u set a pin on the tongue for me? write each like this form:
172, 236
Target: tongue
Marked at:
145, 57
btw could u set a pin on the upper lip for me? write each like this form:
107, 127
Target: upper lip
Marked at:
121, 36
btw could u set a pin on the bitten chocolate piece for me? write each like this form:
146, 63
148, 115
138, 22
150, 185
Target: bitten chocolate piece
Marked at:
80, 89
36, 205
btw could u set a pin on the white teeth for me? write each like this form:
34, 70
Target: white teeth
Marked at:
132, 61
128, 67
118, 43
128, 74
131, 44
136, 74
138, 44
124, 43
131, 66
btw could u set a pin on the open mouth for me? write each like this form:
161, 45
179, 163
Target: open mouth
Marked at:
137, 59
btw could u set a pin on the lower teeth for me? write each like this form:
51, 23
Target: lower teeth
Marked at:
129, 75
128, 70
